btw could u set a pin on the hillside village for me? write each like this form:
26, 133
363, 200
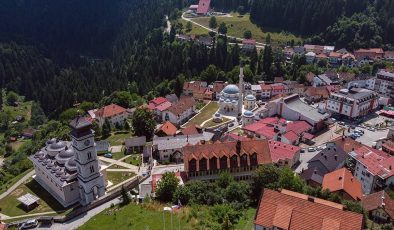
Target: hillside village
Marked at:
249, 152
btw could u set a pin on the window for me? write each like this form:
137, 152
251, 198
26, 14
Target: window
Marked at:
91, 169
89, 155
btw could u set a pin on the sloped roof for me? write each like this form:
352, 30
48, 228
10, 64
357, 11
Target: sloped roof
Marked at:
182, 105
343, 180
378, 200
330, 158
203, 6
291, 210
291, 136
281, 151
191, 129
313, 174
110, 110
168, 128
164, 106
158, 100
298, 127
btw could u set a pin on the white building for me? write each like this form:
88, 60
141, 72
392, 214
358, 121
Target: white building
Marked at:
249, 102
310, 57
352, 103
170, 148
372, 167
247, 118
181, 111
71, 172
115, 114
385, 83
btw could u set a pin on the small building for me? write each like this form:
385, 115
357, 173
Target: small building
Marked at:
102, 147
135, 144
180, 112
29, 201
310, 57
369, 54
284, 154
247, 118
204, 6
389, 55
191, 130
380, 207
115, 114
28, 133
166, 129
343, 183
292, 210
248, 45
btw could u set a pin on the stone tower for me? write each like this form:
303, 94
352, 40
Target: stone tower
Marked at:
241, 88
90, 179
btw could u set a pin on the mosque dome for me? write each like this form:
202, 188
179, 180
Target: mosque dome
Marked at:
250, 97
71, 165
58, 145
231, 89
248, 113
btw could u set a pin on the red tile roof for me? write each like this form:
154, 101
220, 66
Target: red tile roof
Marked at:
291, 136
287, 210
308, 136
182, 105
265, 87
167, 128
298, 127
378, 200
277, 87
110, 111
227, 149
281, 151
347, 143
191, 129
158, 100
218, 86
164, 106
343, 180
157, 177
203, 6
377, 162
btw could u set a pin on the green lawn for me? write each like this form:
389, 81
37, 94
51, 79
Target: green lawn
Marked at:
150, 216
211, 123
10, 206
238, 24
117, 177
24, 109
134, 159
118, 155
118, 138
205, 114
116, 167
9, 183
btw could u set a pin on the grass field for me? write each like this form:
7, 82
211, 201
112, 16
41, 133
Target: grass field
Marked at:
116, 167
117, 177
205, 114
9, 183
24, 109
10, 206
238, 24
118, 155
211, 123
134, 159
118, 138
151, 216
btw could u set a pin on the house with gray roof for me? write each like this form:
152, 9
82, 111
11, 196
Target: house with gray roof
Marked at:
170, 148
135, 144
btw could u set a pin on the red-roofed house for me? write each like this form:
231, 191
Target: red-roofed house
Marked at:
203, 7
266, 91
181, 111
379, 206
240, 158
296, 211
370, 54
114, 113
284, 154
277, 89
166, 129
191, 130
248, 44
373, 168
343, 183
158, 100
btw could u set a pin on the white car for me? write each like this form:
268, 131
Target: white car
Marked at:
28, 224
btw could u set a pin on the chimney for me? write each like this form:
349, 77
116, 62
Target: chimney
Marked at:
315, 171
390, 167
187, 138
325, 157
311, 199
335, 149
340, 178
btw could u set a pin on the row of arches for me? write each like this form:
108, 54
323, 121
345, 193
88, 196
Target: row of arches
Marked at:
224, 162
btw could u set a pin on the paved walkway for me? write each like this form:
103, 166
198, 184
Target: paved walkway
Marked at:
29, 215
258, 44
120, 163
14, 186
120, 170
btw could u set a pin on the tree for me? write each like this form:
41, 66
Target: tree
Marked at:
11, 98
106, 129
265, 176
125, 196
178, 86
289, 180
222, 28
267, 62
166, 187
189, 26
37, 115
143, 123
268, 39
248, 34
86, 106
225, 179
213, 23
126, 125
69, 114
182, 195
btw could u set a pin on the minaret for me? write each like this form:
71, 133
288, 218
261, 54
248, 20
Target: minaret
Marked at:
90, 179
241, 88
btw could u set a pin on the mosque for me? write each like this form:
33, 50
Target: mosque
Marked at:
232, 101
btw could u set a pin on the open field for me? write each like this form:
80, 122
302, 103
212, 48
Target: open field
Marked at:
134, 159
211, 123
117, 177
118, 155
205, 114
118, 138
10, 206
9, 183
151, 216
24, 109
238, 24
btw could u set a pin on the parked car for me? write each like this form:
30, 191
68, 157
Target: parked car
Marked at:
231, 125
302, 151
311, 149
371, 129
28, 224
108, 155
